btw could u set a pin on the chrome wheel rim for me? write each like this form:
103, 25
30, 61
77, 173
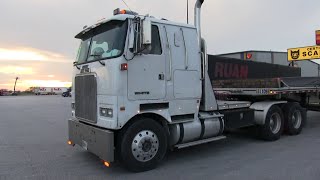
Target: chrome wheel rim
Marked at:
145, 146
296, 119
275, 123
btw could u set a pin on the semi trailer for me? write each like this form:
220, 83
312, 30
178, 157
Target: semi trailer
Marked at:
143, 86
49, 90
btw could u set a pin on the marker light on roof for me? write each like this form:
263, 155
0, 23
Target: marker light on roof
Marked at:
118, 11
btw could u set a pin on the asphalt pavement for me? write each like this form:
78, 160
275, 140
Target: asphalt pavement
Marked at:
33, 136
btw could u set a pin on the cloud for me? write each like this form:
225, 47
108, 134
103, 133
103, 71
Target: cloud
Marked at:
16, 70
30, 54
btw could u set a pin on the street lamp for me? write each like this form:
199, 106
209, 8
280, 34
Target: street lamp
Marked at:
15, 84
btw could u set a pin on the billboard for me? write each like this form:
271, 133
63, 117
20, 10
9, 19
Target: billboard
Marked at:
304, 53
222, 68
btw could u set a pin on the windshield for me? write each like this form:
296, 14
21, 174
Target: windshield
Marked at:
104, 42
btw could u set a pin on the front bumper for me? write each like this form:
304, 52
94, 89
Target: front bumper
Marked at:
95, 140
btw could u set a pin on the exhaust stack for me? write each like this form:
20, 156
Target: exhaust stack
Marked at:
208, 100
197, 18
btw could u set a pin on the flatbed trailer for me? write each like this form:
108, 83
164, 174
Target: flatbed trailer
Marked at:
275, 88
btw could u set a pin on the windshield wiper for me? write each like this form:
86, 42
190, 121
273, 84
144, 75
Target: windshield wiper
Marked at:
96, 55
75, 64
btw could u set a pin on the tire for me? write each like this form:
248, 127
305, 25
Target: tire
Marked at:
273, 126
143, 145
295, 118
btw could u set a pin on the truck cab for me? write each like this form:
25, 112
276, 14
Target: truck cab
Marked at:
132, 66
112, 78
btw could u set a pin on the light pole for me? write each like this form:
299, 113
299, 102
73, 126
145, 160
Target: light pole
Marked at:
14, 88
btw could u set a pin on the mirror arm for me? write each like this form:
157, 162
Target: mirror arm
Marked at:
75, 64
102, 63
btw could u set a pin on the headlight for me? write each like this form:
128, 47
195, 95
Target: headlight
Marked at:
106, 112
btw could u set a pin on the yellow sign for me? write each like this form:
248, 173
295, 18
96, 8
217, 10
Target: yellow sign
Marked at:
304, 53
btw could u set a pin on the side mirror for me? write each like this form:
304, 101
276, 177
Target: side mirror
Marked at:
146, 32
140, 36
131, 39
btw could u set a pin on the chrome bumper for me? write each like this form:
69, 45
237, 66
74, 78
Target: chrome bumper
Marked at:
95, 140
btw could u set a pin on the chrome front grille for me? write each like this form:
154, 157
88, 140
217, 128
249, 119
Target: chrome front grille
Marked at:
86, 98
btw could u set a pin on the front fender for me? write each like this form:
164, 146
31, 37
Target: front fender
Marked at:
163, 113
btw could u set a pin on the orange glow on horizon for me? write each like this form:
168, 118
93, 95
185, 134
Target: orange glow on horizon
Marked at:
46, 83
25, 84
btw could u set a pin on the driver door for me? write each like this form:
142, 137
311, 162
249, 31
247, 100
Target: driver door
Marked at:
146, 72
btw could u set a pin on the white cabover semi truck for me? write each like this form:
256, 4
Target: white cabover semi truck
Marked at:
142, 86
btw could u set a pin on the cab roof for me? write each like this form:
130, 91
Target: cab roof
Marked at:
123, 17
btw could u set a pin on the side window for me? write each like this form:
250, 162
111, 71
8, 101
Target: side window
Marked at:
155, 41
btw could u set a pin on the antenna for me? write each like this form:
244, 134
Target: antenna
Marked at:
127, 5
187, 11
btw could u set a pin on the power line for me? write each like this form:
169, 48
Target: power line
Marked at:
127, 5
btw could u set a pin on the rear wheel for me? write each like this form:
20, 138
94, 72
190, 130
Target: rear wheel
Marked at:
295, 118
273, 126
143, 145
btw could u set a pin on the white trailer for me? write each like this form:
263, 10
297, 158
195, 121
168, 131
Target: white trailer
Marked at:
49, 90
43, 91
58, 90
142, 87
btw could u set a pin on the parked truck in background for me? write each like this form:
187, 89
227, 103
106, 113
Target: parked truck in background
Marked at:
4, 92
142, 85
42, 91
59, 90
49, 90
67, 93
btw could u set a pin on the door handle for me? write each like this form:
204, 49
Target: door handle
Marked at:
161, 76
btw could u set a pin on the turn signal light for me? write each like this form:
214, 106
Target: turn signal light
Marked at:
124, 67
70, 142
107, 164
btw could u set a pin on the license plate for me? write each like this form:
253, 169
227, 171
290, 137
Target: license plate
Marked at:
84, 145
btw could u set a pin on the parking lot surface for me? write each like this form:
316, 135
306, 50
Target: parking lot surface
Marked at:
33, 136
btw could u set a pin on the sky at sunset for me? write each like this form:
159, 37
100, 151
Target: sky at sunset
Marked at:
37, 36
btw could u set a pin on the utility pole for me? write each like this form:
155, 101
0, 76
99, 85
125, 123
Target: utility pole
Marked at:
14, 88
187, 11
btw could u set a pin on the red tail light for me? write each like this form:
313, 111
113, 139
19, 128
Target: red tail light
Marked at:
124, 67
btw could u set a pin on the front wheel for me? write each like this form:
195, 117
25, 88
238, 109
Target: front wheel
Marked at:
273, 126
143, 145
